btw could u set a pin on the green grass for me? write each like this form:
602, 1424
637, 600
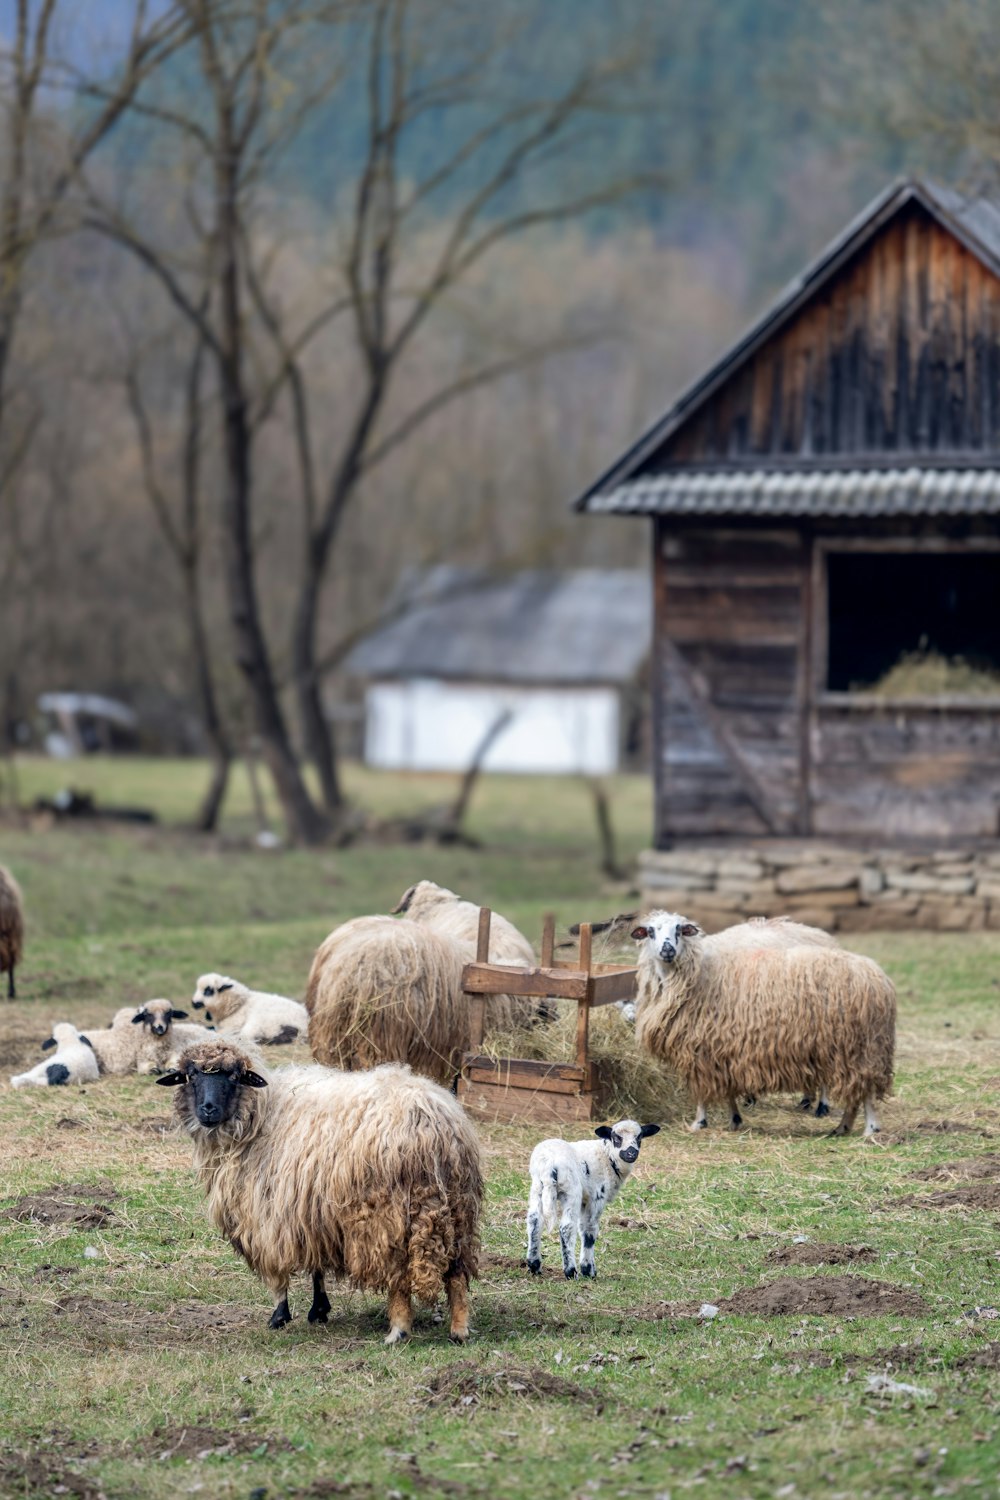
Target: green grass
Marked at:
157, 1344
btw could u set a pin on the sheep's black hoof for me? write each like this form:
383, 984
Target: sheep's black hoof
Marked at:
570, 1273
822, 1110
320, 1308
806, 1103
699, 1125
535, 1267
280, 1316
735, 1121
458, 1338
589, 1271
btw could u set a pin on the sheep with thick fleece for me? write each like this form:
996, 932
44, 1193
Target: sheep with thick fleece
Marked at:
252, 1015
373, 1177
436, 907
736, 1017
144, 1039
572, 1183
386, 991
11, 928
73, 1062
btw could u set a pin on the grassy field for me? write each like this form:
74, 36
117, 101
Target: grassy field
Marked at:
138, 1361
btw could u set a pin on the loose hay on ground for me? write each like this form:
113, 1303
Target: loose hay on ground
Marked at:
467, 1385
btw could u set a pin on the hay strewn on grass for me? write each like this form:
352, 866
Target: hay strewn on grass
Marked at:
637, 1085
928, 673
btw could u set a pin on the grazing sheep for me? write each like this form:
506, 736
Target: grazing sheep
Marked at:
11, 928
572, 1183
252, 1015
74, 1061
436, 907
120, 1048
386, 991
374, 1177
734, 1019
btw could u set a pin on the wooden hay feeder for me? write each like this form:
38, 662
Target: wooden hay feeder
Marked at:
521, 1088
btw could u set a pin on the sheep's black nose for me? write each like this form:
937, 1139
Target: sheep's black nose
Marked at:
209, 1114
668, 952
630, 1153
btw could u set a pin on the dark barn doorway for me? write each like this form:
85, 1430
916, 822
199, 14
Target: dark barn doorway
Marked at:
884, 604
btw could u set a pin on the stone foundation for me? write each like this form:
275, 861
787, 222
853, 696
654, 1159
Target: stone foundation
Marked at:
826, 885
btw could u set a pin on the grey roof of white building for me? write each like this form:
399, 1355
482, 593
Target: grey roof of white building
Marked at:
806, 492
587, 626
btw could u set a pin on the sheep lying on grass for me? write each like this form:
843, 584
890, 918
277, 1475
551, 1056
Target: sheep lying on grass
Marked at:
11, 928
375, 1177
74, 1061
572, 1183
144, 1040
734, 1017
252, 1015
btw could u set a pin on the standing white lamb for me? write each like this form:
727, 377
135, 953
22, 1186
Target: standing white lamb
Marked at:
74, 1061
252, 1015
735, 1016
572, 1183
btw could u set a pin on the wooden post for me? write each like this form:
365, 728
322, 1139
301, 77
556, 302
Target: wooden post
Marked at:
548, 939
583, 1006
477, 1011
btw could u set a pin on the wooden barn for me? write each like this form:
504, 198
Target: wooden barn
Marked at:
826, 505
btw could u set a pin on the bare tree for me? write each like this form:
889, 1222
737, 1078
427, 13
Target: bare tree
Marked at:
420, 57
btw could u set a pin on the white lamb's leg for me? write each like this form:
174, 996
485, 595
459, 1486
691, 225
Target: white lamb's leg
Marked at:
569, 1225
700, 1121
590, 1223
872, 1125
535, 1227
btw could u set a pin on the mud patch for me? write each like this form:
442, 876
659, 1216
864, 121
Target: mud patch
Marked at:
67, 1203
987, 1165
68, 1123
200, 1320
207, 1442
898, 1357
34, 1474
51, 1273
949, 1127
987, 1358
811, 1254
512, 1263
825, 1296
985, 1195
154, 1125
466, 1386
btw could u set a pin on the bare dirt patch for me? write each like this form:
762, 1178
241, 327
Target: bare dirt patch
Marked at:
467, 1385
987, 1165
802, 1296
67, 1203
512, 1263
951, 1127
987, 1358
985, 1195
816, 1254
184, 1323
34, 1474
207, 1442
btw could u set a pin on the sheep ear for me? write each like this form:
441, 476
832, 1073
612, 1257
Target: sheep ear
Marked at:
253, 1080
178, 1015
641, 932
604, 1131
138, 1019
403, 904
224, 987
198, 1004
50, 1043
172, 1080
649, 1130
86, 1041
690, 929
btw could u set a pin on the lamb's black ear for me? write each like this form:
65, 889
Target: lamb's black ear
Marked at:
50, 1043
640, 932
208, 1015
403, 904
690, 929
604, 1131
86, 1041
649, 1130
224, 987
172, 1080
198, 1004
178, 1015
138, 1018
253, 1080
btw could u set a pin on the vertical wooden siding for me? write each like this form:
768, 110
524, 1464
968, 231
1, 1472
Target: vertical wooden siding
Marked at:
898, 353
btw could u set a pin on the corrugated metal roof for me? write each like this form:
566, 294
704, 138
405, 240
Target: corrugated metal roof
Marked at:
831, 492
592, 625
973, 219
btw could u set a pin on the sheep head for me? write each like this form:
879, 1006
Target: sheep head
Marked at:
213, 1076
157, 1015
424, 894
210, 985
625, 1138
666, 935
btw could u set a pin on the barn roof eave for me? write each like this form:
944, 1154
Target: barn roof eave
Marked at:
944, 204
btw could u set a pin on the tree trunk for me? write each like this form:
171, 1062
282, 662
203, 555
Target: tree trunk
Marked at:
207, 819
316, 734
